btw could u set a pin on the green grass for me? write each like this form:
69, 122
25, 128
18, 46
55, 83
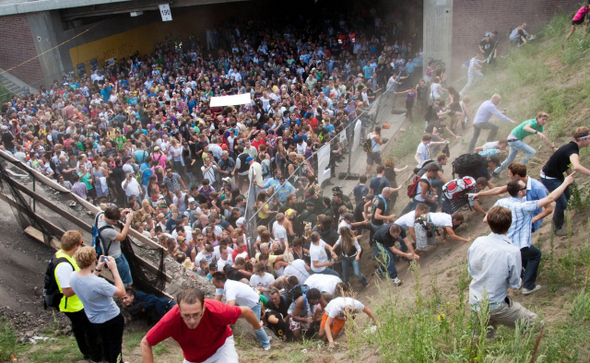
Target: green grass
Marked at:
64, 349
7, 339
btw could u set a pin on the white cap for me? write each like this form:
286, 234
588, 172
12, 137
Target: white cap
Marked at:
190, 200
240, 222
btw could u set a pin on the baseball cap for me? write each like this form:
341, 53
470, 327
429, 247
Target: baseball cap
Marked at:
249, 159
240, 221
190, 200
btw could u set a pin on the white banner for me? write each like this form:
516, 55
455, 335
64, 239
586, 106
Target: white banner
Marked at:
323, 164
165, 12
243, 99
357, 135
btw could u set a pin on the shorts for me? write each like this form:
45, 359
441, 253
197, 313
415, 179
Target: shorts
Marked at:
422, 239
374, 158
296, 325
578, 22
337, 325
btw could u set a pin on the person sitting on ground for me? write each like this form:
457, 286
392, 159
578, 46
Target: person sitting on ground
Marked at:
261, 279
304, 311
494, 264
140, 305
335, 315
426, 225
237, 293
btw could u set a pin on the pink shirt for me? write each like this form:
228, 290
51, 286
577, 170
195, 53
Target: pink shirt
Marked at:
580, 14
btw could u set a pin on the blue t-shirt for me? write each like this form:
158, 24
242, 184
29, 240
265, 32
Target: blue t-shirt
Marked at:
377, 184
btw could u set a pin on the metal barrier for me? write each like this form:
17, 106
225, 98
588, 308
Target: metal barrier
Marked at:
344, 148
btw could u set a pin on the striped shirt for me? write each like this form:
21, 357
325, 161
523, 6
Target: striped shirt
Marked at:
522, 219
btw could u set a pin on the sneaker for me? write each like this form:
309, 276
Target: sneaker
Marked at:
396, 281
526, 291
561, 232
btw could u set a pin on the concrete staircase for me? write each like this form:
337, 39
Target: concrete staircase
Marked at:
13, 84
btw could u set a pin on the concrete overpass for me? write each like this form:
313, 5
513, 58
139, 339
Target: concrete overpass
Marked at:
43, 39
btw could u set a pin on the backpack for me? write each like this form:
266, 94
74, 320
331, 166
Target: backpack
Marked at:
424, 221
430, 114
51, 294
422, 165
294, 294
467, 164
97, 240
368, 145
413, 187
456, 190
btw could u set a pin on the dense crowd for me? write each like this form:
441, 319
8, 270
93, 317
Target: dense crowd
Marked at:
140, 139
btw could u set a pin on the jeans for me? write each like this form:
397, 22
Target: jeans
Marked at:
515, 147
387, 261
111, 333
257, 310
531, 257
124, 270
262, 337
346, 262
477, 129
560, 203
86, 335
472, 78
329, 271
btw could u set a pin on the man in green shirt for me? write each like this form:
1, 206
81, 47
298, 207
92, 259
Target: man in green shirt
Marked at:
516, 143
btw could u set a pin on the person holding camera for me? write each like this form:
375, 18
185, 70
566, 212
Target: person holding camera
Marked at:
112, 239
96, 295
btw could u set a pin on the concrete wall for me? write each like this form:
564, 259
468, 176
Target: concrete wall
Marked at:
18, 46
45, 27
472, 18
438, 30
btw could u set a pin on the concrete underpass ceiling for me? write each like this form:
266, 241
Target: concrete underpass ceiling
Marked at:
133, 5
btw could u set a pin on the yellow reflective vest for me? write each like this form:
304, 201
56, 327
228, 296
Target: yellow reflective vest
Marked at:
70, 304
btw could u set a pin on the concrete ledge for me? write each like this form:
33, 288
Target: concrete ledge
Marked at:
11, 7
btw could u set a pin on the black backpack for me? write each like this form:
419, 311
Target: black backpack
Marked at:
51, 294
467, 164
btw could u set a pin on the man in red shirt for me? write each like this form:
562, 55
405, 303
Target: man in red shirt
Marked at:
201, 328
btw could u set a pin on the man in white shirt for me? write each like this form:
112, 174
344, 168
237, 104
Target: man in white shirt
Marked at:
335, 315
261, 280
240, 294
494, 264
279, 232
424, 229
482, 117
131, 186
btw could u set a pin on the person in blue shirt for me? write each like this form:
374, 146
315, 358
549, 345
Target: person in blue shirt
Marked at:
360, 190
140, 305
273, 182
535, 191
284, 189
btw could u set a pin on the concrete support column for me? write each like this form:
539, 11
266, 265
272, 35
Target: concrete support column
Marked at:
44, 26
438, 32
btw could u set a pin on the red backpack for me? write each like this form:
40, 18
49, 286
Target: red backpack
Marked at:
413, 187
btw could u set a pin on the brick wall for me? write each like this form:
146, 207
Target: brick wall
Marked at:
472, 18
18, 46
